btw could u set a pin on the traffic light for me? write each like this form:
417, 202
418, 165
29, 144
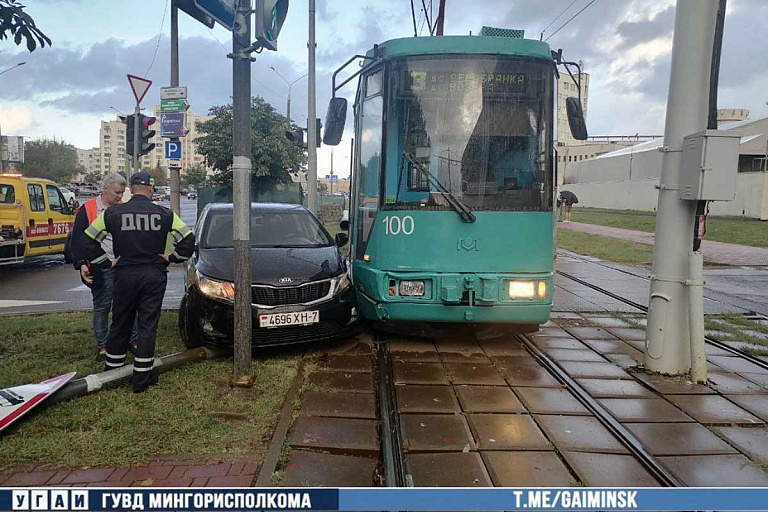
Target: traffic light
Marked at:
129, 126
146, 134
268, 20
318, 132
296, 137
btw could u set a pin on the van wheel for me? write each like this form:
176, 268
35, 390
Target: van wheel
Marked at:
68, 250
189, 335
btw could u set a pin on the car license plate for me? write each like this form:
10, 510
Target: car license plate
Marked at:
283, 319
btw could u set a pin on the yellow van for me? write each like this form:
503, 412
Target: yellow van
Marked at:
34, 218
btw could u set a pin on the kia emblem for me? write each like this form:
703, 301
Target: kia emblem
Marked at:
285, 280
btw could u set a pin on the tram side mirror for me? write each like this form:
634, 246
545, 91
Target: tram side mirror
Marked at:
344, 222
334, 121
342, 239
576, 118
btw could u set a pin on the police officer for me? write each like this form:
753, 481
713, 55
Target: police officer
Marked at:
140, 233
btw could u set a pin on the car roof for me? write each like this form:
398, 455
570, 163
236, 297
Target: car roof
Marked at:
262, 207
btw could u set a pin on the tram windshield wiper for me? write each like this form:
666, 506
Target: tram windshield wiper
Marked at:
463, 210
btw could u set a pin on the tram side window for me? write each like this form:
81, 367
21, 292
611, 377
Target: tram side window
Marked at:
36, 201
370, 166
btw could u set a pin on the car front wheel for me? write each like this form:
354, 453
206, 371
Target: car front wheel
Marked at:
189, 335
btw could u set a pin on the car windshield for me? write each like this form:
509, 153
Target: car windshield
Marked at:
475, 130
268, 229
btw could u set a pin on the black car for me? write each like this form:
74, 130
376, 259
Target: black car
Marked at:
300, 289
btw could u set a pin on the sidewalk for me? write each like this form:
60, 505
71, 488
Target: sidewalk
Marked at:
729, 254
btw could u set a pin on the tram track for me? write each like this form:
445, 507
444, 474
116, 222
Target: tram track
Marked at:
644, 309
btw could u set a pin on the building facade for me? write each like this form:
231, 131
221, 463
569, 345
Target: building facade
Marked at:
90, 159
567, 88
112, 147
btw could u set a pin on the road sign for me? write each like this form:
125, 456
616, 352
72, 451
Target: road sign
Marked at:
139, 86
173, 124
173, 105
222, 11
174, 164
173, 149
12, 149
173, 93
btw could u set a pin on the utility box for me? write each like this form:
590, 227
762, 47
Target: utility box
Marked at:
710, 163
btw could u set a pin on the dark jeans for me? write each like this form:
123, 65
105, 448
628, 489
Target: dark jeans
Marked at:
102, 304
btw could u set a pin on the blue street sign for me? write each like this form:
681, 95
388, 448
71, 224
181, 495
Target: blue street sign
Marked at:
173, 149
173, 124
222, 11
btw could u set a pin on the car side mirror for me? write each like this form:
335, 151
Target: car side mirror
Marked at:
342, 239
334, 121
576, 118
344, 222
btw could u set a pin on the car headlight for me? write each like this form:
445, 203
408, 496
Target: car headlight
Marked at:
342, 283
214, 289
527, 289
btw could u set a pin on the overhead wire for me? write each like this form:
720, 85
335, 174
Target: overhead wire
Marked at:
426, 15
570, 20
556, 18
413, 16
159, 38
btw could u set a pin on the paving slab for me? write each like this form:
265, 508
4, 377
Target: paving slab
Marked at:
591, 333
336, 435
608, 321
636, 344
644, 410
490, 399
625, 361
567, 354
419, 373
350, 363
761, 379
458, 346
609, 470
756, 404
737, 364
606, 388
311, 469
588, 370
717, 471
435, 433
411, 345
611, 347
416, 357
713, 409
551, 332
342, 381
729, 383
527, 373
553, 343
338, 405
453, 357
439, 470
752, 442
426, 399
503, 347
627, 334
527, 469
672, 385
507, 432
550, 401
679, 439
480, 375
579, 433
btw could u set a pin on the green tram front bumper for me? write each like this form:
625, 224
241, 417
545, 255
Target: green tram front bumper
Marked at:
452, 297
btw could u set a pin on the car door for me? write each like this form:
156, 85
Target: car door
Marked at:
38, 228
59, 220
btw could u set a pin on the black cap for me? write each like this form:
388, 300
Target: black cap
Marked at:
142, 178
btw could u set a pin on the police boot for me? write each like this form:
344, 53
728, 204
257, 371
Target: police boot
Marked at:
142, 381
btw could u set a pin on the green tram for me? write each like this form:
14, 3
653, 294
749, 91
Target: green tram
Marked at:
451, 215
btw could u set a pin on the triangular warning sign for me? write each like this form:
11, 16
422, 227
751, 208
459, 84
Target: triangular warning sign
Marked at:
140, 86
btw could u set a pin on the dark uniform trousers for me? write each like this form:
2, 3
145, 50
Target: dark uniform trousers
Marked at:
139, 290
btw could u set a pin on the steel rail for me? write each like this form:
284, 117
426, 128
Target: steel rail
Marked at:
712, 341
391, 455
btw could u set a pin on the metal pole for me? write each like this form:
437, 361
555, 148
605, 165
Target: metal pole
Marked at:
175, 172
136, 131
241, 170
288, 107
331, 171
668, 335
311, 116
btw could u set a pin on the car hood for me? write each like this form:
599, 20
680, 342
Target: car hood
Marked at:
269, 266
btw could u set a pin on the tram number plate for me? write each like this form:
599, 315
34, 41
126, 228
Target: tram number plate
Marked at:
284, 319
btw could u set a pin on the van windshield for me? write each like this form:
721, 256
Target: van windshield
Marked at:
268, 229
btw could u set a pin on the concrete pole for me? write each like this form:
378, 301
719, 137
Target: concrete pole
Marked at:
668, 335
241, 170
288, 106
331, 170
175, 172
311, 116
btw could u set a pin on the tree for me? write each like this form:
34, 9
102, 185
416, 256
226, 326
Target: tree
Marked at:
14, 22
272, 155
92, 177
195, 175
52, 159
160, 175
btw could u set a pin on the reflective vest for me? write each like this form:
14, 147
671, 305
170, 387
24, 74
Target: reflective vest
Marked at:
91, 210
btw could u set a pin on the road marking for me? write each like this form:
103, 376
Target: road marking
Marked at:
81, 288
23, 303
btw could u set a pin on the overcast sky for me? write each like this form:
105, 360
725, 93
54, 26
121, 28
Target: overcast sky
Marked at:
65, 90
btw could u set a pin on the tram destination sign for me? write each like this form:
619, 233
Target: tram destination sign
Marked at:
438, 82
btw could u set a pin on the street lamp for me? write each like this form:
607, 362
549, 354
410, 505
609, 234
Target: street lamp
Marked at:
290, 84
12, 67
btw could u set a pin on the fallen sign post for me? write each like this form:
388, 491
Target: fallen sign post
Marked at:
15, 402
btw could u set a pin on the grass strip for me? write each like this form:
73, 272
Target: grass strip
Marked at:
605, 247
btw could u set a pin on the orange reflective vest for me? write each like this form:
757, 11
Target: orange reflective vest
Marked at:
91, 210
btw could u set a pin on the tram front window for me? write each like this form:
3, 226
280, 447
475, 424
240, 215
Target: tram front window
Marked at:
481, 127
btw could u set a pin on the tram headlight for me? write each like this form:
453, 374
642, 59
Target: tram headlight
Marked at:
521, 289
412, 288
